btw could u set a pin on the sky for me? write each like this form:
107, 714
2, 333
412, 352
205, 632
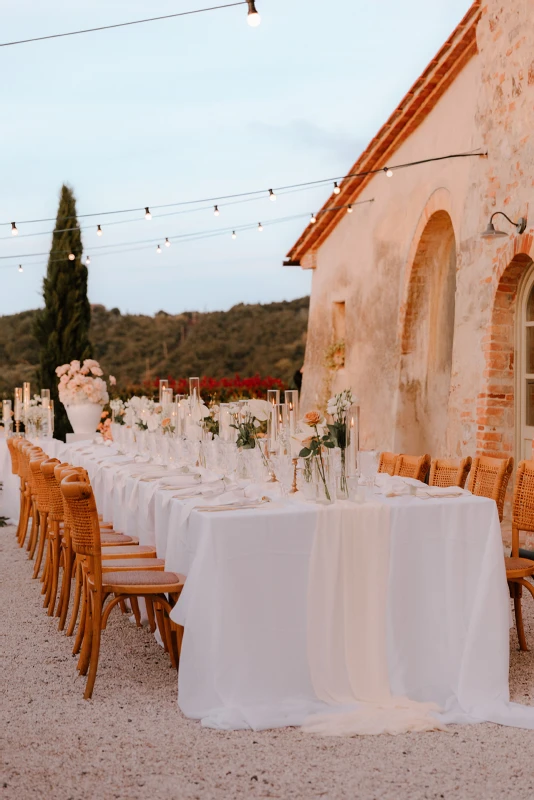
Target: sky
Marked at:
186, 109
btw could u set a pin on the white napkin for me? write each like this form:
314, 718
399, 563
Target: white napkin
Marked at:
441, 491
395, 485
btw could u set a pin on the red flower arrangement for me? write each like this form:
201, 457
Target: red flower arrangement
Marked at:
225, 390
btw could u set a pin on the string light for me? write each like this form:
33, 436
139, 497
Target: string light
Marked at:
167, 243
336, 188
259, 192
216, 211
71, 257
133, 22
349, 209
88, 261
20, 268
148, 215
234, 235
313, 219
253, 18
14, 229
99, 230
158, 249
260, 227
272, 195
389, 172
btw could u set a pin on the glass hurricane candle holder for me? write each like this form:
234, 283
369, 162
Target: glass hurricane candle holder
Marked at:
163, 384
26, 394
194, 390
45, 398
273, 396
18, 406
352, 444
291, 397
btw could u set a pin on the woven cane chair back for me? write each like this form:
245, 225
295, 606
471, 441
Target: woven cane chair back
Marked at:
489, 478
449, 472
61, 472
412, 466
85, 528
54, 492
40, 484
14, 453
523, 502
31, 454
388, 462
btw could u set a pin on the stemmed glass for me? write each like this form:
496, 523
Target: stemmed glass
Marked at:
368, 463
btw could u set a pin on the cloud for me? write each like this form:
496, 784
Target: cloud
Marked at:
302, 133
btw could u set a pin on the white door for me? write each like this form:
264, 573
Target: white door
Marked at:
526, 367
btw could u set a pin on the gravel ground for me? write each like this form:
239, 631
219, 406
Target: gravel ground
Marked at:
131, 741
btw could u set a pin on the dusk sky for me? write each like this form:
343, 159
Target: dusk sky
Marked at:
186, 109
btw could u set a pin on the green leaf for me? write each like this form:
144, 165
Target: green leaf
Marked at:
305, 452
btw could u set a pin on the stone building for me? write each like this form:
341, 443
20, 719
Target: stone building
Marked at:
429, 323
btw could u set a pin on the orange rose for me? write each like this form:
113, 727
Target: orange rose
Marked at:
312, 418
166, 421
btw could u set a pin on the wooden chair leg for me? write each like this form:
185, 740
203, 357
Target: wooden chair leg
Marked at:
25, 520
85, 633
515, 590
77, 596
34, 531
95, 603
135, 610
150, 614
43, 536
66, 581
161, 625
54, 574
82, 625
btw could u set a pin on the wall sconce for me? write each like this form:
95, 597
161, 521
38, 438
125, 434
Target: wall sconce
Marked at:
491, 233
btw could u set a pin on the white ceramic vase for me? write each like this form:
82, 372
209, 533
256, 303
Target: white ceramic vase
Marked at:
84, 417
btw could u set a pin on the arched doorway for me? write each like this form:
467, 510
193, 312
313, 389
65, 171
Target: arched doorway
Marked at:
427, 340
525, 368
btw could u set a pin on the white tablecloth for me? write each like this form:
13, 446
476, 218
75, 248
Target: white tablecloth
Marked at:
244, 658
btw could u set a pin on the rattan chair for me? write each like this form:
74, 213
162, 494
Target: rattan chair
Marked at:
12, 442
519, 569
449, 472
151, 584
388, 462
42, 507
412, 466
489, 478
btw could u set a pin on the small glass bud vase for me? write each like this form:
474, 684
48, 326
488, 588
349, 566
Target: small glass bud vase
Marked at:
324, 478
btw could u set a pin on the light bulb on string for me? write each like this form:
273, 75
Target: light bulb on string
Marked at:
234, 235
148, 215
272, 195
216, 211
336, 188
349, 209
71, 257
260, 227
167, 243
14, 229
389, 172
313, 219
20, 268
87, 261
253, 18
99, 230
158, 249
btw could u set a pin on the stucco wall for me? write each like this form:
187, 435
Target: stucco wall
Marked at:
367, 260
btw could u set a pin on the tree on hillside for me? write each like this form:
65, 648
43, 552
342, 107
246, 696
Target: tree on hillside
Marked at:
62, 327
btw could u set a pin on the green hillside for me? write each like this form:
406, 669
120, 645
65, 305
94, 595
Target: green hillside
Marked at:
247, 339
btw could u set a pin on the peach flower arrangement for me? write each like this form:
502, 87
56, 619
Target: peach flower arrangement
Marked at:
82, 383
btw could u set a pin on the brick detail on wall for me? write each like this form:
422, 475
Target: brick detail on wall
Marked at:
496, 402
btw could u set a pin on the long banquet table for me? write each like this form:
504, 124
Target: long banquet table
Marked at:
245, 607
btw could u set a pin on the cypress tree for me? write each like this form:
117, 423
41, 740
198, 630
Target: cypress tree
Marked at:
62, 327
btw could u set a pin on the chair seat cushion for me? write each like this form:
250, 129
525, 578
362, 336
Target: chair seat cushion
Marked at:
519, 567
152, 577
116, 538
129, 551
109, 565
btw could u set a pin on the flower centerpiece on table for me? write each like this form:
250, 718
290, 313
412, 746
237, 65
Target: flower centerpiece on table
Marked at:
83, 392
34, 416
337, 407
314, 445
118, 410
248, 422
211, 423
